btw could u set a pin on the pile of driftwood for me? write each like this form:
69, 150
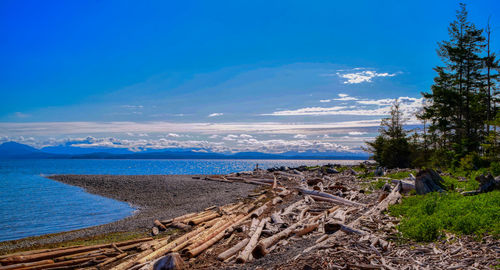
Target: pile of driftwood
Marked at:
97, 256
319, 218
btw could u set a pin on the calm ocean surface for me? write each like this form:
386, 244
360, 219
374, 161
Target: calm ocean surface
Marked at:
31, 204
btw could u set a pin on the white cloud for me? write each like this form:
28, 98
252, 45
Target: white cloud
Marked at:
300, 136
173, 135
213, 136
132, 106
345, 97
381, 107
246, 136
230, 137
356, 133
215, 114
308, 111
363, 76
325, 100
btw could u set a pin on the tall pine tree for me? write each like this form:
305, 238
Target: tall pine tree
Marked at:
456, 109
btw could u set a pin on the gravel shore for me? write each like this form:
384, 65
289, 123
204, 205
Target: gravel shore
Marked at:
155, 197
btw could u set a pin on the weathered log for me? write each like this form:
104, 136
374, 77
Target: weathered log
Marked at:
276, 218
64, 263
30, 252
277, 200
160, 251
245, 254
261, 249
248, 181
180, 225
292, 207
307, 229
180, 218
160, 226
253, 226
332, 227
26, 265
202, 219
110, 260
257, 212
217, 179
405, 186
231, 251
330, 196
194, 252
429, 181
207, 234
53, 254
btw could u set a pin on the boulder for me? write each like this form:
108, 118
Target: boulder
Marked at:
379, 171
171, 261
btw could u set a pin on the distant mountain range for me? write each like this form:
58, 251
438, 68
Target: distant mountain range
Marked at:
14, 150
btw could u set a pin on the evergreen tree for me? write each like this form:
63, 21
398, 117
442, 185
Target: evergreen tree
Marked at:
391, 148
456, 109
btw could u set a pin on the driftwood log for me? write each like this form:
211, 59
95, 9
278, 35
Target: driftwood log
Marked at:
231, 251
247, 251
427, 181
337, 199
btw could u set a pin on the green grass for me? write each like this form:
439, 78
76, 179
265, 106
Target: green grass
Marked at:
452, 183
426, 217
400, 175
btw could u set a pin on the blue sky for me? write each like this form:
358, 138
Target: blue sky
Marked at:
220, 75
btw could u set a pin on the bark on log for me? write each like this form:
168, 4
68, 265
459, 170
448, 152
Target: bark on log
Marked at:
231, 251
245, 254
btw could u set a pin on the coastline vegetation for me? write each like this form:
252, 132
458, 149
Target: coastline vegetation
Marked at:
460, 137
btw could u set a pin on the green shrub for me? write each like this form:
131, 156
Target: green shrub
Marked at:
426, 217
495, 168
400, 175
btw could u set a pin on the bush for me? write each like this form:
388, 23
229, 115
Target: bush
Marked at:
426, 217
495, 168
